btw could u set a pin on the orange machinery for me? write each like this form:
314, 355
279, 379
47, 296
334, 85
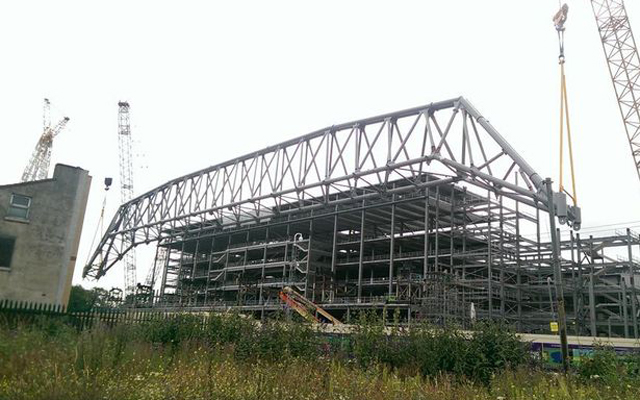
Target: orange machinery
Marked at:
306, 308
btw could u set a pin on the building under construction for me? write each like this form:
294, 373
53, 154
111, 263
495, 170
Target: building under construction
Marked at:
427, 211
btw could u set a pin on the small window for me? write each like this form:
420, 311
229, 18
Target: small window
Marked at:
19, 207
6, 251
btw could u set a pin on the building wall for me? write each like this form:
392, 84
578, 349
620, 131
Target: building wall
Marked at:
46, 244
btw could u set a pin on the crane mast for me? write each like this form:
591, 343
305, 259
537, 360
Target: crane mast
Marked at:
38, 167
126, 191
156, 270
624, 66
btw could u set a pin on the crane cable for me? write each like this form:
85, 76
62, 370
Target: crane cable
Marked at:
559, 19
100, 227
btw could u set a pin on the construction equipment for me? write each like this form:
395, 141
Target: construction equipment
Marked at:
100, 226
114, 298
156, 270
624, 66
38, 167
559, 20
306, 308
126, 191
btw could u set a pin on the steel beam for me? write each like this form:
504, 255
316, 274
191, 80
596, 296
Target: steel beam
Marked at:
342, 163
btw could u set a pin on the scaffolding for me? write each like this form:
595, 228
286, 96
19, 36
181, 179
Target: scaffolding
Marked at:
387, 253
425, 213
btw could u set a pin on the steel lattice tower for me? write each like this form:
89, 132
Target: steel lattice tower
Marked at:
126, 190
38, 167
624, 66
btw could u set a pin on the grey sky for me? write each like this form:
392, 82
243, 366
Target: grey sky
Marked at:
208, 81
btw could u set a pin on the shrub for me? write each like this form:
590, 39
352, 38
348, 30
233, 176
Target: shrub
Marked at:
369, 341
173, 329
432, 351
493, 347
228, 328
611, 369
427, 350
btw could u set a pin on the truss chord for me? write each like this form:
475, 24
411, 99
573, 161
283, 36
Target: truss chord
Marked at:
155, 214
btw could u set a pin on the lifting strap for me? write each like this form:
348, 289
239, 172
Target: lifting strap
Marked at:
559, 20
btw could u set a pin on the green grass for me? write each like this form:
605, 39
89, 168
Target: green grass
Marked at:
231, 359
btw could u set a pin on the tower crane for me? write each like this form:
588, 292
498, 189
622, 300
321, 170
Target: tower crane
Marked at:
38, 167
156, 270
624, 66
126, 191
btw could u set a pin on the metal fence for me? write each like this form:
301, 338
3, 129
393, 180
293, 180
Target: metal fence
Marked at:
14, 313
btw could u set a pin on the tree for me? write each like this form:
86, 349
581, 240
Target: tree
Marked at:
81, 299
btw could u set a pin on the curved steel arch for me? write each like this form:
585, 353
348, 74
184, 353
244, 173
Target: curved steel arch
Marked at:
449, 141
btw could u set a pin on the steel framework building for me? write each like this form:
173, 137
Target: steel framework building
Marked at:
428, 211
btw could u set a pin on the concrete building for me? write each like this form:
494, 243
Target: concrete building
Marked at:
40, 227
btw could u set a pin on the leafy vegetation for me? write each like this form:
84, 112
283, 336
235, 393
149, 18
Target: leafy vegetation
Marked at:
610, 369
431, 351
83, 300
231, 357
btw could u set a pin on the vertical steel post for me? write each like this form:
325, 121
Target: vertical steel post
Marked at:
262, 270
501, 247
463, 274
194, 270
489, 257
634, 315
426, 235
211, 251
226, 263
436, 265
625, 306
592, 296
574, 282
539, 257
334, 256
179, 284
310, 272
518, 266
392, 242
580, 318
361, 255
452, 229
555, 246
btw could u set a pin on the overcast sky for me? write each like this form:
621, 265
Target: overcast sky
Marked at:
208, 81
